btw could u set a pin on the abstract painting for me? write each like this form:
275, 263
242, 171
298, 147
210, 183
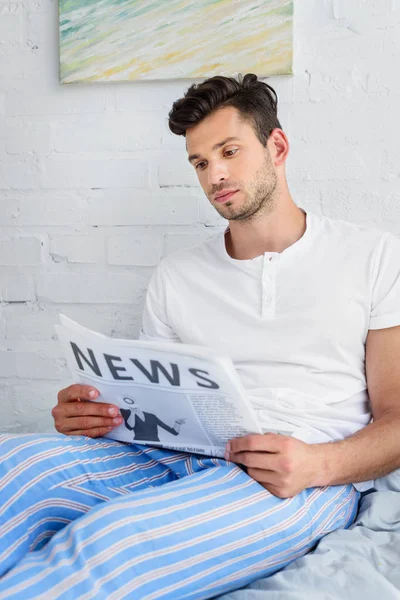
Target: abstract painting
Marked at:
126, 40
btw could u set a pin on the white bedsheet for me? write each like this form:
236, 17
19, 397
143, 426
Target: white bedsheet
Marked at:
360, 563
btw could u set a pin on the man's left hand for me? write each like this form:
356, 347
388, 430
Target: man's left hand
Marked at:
285, 466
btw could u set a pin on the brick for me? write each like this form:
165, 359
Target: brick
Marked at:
33, 322
209, 216
283, 85
125, 133
141, 207
40, 25
334, 162
181, 241
29, 322
40, 42
16, 287
77, 248
2, 135
89, 173
41, 208
390, 163
32, 365
380, 81
2, 103
11, 16
392, 226
18, 173
23, 136
20, 251
360, 10
175, 171
58, 100
306, 194
344, 80
92, 288
149, 96
12, 9
114, 320
3, 322
11, 65
314, 9
134, 250
352, 203
28, 405
284, 111
340, 84
170, 140
333, 122
391, 208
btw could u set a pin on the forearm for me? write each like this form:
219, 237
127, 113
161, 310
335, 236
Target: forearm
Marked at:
370, 453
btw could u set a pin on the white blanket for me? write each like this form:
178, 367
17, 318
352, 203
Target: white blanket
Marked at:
362, 562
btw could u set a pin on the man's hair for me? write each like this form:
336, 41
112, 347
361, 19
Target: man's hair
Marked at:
255, 100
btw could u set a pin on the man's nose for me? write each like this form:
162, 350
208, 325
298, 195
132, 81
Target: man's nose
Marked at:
217, 172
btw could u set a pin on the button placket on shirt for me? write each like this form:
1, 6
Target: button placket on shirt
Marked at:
268, 283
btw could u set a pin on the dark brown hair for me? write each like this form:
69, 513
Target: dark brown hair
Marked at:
255, 100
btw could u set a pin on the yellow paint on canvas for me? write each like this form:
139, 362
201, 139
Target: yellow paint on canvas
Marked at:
174, 39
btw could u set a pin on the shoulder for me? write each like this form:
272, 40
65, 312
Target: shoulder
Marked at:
353, 237
181, 261
344, 228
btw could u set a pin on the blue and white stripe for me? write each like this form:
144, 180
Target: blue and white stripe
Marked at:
83, 518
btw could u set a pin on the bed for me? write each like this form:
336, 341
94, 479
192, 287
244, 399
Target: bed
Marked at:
362, 562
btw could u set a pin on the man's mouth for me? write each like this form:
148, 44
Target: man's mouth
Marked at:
224, 196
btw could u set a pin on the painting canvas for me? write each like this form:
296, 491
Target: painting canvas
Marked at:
125, 40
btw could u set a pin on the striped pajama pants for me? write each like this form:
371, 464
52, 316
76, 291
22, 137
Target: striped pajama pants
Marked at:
98, 519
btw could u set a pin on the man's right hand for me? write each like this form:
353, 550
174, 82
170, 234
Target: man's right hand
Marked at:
77, 414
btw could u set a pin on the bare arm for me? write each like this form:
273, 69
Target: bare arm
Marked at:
173, 430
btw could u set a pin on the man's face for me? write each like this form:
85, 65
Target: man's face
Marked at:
228, 157
132, 405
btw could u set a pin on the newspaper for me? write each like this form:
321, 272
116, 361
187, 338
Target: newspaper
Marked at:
175, 396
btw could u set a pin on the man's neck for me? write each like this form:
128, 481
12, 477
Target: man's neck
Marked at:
271, 232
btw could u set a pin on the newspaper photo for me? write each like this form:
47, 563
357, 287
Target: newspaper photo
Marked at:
175, 396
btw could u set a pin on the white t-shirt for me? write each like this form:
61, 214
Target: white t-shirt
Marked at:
294, 323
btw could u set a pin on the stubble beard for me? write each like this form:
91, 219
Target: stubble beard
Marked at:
259, 197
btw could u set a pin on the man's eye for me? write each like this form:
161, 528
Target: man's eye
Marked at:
231, 152
200, 165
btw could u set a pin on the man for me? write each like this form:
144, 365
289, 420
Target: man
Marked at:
145, 425
309, 310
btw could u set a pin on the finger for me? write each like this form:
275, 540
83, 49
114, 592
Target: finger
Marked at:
265, 476
278, 491
92, 433
77, 391
269, 442
85, 423
256, 460
275, 483
91, 409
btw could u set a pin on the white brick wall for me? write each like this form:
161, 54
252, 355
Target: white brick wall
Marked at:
134, 250
20, 251
94, 189
79, 249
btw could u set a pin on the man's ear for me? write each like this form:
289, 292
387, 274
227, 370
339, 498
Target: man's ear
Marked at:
278, 145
